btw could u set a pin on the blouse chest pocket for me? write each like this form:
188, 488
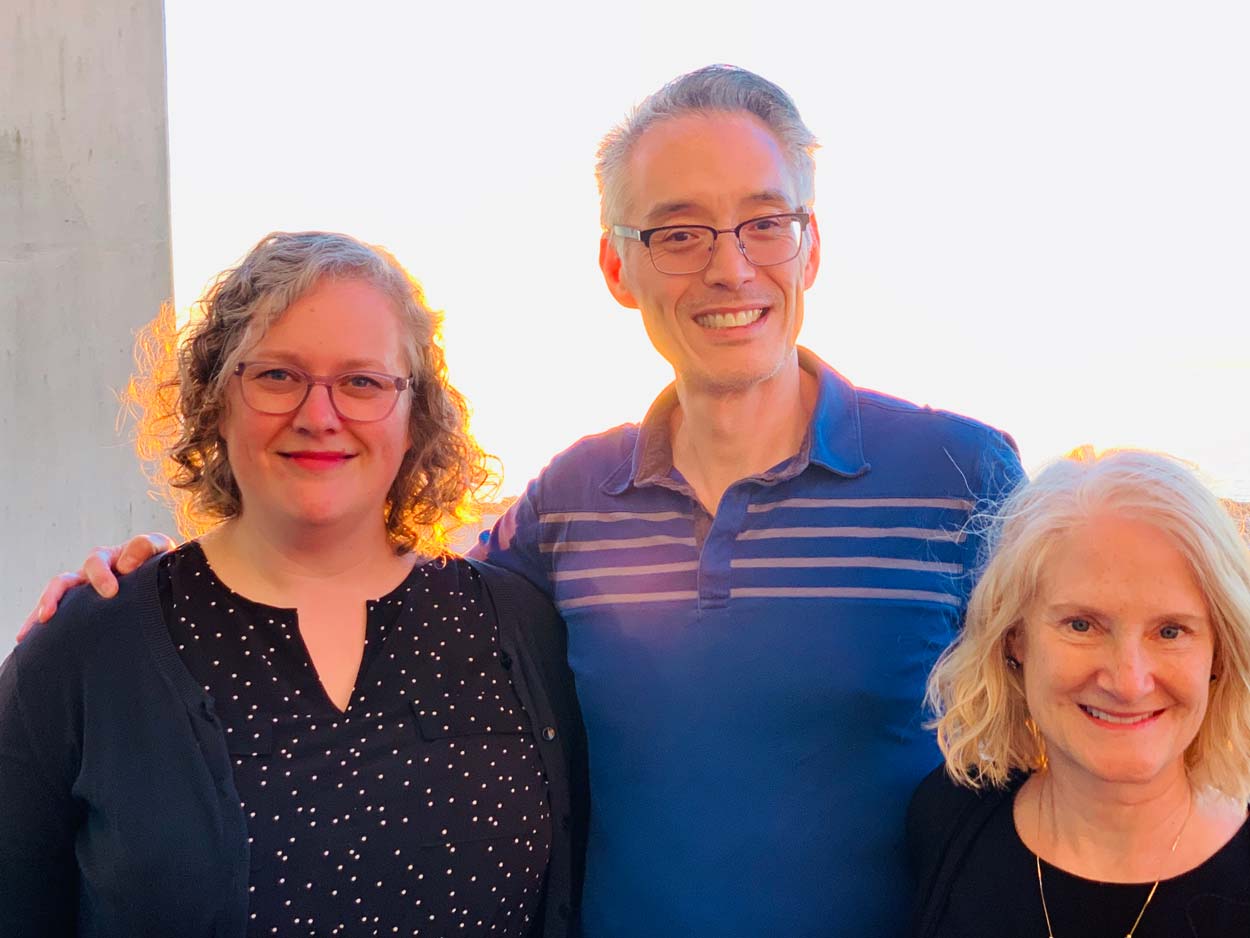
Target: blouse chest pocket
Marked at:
465, 712
480, 771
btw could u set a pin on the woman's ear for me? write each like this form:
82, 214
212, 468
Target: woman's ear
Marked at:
1013, 649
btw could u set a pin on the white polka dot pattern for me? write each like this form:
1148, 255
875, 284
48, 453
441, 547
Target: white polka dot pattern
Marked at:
419, 810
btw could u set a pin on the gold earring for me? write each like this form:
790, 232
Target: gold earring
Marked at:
1041, 761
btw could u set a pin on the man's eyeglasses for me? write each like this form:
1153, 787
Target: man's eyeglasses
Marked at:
687, 249
360, 396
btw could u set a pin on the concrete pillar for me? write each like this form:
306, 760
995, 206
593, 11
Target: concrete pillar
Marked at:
84, 261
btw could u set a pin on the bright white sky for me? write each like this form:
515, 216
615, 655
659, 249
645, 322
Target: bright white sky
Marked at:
1036, 214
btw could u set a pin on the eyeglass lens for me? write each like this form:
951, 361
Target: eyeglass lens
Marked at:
359, 395
765, 241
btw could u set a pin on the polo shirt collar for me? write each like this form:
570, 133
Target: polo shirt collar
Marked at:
833, 439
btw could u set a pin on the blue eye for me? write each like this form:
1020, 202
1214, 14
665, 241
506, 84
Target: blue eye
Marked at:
1080, 625
1170, 631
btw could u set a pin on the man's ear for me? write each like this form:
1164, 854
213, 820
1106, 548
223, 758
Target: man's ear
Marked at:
812, 264
613, 272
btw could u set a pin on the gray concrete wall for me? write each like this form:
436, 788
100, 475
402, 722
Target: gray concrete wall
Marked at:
84, 261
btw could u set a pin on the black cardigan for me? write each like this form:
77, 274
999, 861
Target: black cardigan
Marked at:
944, 820
106, 741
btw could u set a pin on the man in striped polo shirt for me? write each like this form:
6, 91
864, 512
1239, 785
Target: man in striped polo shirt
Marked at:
758, 576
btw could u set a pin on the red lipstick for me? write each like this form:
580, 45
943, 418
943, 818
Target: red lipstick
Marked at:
317, 460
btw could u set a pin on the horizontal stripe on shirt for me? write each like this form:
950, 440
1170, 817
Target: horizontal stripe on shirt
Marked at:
926, 534
883, 563
565, 547
843, 592
624, 598
560, 517
641, 570
961, 504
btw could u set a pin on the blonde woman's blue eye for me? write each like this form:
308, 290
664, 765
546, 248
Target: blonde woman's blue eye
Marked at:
1170, 631
1079, 625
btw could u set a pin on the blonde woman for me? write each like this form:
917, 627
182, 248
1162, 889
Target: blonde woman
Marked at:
1095, 718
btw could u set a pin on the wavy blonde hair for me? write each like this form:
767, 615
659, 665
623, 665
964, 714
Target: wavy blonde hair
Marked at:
982, 718
177, 395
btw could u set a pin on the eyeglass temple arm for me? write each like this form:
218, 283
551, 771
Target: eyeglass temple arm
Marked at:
624, 231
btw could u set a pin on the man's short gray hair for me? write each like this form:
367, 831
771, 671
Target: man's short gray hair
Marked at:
709, 89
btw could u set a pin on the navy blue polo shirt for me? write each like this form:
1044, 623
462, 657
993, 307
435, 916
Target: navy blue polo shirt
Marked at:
751, 682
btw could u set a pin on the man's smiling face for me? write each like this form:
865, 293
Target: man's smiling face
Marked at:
732, 325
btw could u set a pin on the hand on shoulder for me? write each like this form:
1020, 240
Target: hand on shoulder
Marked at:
99, 569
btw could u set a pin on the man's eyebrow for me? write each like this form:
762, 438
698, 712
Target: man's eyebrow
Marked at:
666, 210
771, 196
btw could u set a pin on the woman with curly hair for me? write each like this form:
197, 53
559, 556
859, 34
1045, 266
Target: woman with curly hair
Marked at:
310, 719
1094, 715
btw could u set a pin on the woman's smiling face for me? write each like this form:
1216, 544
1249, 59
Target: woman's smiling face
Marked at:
1116, 652
311, 466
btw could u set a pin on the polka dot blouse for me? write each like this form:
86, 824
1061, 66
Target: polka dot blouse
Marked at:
421, 809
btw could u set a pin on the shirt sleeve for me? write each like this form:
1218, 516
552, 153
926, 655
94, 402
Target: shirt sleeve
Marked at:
1001, 471
38, 820
994, 476
514, 541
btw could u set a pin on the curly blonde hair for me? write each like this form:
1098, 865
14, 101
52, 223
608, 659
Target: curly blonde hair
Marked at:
982, 717
177, 395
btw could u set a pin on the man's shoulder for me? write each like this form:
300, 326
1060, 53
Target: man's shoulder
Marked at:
913, 438
878, 407
592, 459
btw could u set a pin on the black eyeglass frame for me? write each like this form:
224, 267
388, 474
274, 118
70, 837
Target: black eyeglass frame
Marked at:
327, 381
644, 235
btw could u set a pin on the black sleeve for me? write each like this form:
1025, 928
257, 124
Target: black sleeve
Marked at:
927, 817
944, 820
531, 625
38, 820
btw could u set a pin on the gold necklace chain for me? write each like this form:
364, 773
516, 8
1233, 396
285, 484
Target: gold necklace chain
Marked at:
1041, 890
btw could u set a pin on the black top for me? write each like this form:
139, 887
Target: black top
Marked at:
118, 809
992, 889
419, 810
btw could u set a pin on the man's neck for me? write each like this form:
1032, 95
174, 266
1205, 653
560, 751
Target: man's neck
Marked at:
720, 437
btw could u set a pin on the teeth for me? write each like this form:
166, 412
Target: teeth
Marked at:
1110, 718
743, 317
